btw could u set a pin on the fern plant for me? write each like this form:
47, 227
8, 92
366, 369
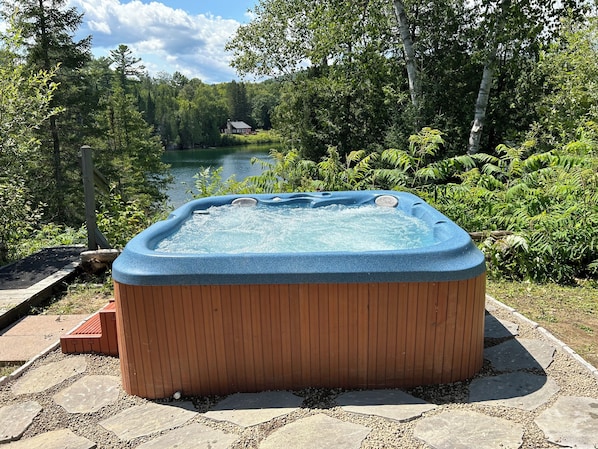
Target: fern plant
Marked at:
549, 201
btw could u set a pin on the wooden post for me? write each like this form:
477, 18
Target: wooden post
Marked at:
90, 202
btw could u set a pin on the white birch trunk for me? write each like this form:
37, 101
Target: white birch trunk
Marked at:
487, 77
409, 51
482, 104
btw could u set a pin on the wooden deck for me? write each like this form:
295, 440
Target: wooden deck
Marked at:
203, 340
15, 302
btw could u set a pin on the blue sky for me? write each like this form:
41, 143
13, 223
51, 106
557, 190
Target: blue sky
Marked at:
229, 9
169, 35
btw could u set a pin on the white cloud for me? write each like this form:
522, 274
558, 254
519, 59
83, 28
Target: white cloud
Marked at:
101, 27
166, 39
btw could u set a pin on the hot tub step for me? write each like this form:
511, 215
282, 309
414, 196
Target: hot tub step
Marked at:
96, 335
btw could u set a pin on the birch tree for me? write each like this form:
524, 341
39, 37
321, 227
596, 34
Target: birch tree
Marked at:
514, 29
457, 65
487, 77
410, 61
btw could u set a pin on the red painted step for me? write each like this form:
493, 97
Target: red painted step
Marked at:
96, 335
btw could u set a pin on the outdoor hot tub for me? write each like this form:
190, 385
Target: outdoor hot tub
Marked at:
368, 289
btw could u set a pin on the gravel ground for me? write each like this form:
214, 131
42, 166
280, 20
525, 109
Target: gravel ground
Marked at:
573, 379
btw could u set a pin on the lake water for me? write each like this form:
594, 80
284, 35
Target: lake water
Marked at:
185, 164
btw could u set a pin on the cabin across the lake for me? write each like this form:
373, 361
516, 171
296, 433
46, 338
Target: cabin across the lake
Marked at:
237, 127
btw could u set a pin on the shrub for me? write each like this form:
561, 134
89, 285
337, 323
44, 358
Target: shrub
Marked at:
548, 201
120, 220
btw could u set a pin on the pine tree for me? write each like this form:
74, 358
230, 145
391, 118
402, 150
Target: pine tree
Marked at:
239, 107
48, 27
126, 65
129, 153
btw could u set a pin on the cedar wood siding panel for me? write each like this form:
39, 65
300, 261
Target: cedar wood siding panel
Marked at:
204, 340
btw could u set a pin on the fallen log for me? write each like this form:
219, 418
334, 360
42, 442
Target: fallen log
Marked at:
481, 235
96, 261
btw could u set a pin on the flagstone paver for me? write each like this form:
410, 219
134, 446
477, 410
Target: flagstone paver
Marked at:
572, 422
16, 418
393, 404
317, 431
520, 354
193, 436
146, 419
497, 328
520, 390
89, 394
56, 439
249, 409
49, 375
468, 430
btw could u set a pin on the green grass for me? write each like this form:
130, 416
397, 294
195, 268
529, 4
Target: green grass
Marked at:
568, 312
541, 298
85, 296
5, 370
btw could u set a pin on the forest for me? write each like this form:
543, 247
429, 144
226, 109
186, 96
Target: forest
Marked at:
487, 109
56, 97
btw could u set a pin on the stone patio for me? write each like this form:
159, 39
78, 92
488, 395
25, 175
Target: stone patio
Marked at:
92, 410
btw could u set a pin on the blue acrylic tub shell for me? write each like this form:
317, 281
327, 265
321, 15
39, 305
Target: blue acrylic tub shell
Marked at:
453, 257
